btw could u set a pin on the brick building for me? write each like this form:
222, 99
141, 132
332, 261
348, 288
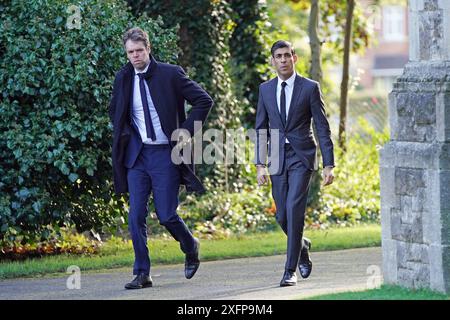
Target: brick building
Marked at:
385, 59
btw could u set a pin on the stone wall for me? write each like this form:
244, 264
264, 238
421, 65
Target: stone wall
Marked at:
415, 163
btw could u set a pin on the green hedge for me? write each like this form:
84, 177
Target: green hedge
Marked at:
219, 214
355, 194
55, 135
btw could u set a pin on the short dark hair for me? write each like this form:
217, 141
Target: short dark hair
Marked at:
281, 44
136, 34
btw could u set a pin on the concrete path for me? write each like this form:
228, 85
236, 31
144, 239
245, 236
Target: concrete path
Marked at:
247, 278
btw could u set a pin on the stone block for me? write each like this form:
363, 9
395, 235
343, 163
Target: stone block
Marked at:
424, 108
436, 271
405, 278
408, 181
388, 199
444, 156
434, 189
392, 115
388, 155
411, 253
419, 201
396, 224
430, 229
416, 116
387, 189
406, 209
443, 117
413, 266
406, 226
421, 276
431, 32
389, 247
385, 218
415, 155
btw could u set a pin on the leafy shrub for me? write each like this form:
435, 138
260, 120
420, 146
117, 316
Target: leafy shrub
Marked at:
219, 214
370, 105
354, 195
115, 245
65, 241
55, 135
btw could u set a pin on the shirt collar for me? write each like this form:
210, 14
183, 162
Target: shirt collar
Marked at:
143, 71
290, 81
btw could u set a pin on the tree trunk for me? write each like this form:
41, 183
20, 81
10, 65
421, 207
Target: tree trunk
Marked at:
345, 74
315, 73
315, 70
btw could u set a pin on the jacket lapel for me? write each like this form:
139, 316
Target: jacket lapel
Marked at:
154, 85
295, 96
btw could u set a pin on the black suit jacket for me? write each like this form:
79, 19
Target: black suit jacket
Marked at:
169, 88
306, 104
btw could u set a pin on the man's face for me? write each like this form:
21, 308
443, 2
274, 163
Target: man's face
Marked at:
283, 60
138, 54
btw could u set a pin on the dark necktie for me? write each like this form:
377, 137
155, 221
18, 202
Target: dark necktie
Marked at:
148, 120
283, 103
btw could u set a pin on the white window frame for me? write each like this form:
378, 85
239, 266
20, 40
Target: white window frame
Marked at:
394, 23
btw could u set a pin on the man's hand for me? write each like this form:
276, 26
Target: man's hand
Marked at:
261, 175
328, 176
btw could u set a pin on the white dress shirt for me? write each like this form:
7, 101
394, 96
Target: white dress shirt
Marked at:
288, 89
138, 113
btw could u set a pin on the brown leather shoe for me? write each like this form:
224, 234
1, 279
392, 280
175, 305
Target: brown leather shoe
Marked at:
141, 281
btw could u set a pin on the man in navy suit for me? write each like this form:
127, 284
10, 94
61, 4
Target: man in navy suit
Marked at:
286, 106
146, 108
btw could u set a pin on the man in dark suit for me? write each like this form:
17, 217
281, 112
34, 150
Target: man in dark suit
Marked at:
286, 106
147, 107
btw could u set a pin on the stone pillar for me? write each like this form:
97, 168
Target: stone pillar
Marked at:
415, 163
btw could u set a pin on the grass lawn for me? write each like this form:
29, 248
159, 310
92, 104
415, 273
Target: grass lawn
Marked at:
385, 292
118, 253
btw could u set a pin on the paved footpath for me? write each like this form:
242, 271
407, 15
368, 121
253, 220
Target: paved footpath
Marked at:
246, 278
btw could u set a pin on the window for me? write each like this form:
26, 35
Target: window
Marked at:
393, 23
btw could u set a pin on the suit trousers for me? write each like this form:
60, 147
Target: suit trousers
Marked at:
290, 192
155, 172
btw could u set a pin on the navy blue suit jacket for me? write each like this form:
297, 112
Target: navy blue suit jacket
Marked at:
169, 88
306, 104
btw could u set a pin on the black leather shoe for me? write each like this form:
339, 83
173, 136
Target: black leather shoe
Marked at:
141, 281
192, 261
305, 263
289, 279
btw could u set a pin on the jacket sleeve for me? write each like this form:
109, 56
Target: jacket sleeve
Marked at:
262, 133
322, 126
199, 99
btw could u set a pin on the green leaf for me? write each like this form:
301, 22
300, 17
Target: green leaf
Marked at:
73, 177
64, 169
24, 193
37, 206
